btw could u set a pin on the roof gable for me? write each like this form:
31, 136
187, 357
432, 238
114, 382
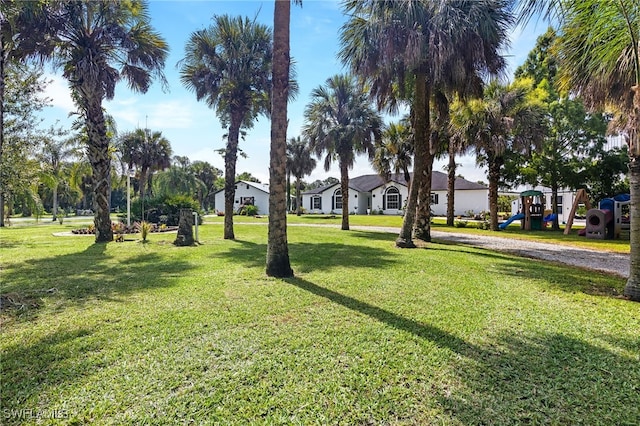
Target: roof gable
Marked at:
264, 187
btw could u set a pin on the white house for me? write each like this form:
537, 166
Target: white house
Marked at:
371, 192
247, 193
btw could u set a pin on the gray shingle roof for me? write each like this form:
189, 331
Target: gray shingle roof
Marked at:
367, 183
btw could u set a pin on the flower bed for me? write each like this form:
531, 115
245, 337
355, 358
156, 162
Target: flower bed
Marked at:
121, 228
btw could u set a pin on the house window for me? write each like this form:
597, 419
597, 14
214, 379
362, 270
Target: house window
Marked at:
392, 198
316, 203
337, 200
434, 198
559, 201
247, 201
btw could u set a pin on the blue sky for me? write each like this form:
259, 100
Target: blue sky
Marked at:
194, 130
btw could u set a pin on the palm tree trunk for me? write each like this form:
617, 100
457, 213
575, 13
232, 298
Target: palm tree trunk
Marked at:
55, 202
278, 264
230, 158
289, 192
2, 59
2, 203
98, 153
555, 225
298, 197
344, 189
422, 229
423, 213
632, 287
421, 128
143, 179
494, 179
451, 184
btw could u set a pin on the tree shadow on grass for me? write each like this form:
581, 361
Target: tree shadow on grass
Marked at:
307, 257
29, 368
77, 277
540, 379
373, 235
546, 273
425, 331
546, 379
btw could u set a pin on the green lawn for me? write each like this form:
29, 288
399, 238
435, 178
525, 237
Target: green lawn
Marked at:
132, 333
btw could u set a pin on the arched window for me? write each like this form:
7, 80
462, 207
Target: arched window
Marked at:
392, 199
337, 199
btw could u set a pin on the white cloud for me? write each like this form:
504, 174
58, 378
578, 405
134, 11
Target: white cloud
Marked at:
58, 91
172, 114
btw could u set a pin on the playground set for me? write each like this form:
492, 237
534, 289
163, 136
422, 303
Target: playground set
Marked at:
532, 217
608, 221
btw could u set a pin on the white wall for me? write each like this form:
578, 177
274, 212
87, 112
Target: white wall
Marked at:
464, 201
261, 198
355, 200
377, 198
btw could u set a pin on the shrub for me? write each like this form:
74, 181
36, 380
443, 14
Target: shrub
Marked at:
484, 225
164, 209
145, 228
460, 223
249, 210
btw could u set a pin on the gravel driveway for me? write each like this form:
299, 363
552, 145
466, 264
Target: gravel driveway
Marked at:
613, 263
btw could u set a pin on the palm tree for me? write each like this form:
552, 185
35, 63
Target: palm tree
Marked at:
52, 158
206, 176
229, 66
455, 146
148, 151
507, 119
394, 153
97, 44
600, 60
178, 179
341, 123
426, 47
299, 163
278, 264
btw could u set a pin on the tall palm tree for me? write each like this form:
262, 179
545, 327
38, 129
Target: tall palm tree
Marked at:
52, 157
206, 175
179, 179
228, 65
600, 59
341, 122
394, 153
148, 151
278, 264
455, 146
299, 164
98, 43
507, 119
424, 46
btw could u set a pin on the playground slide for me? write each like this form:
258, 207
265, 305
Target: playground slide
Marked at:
519, 216
549, 218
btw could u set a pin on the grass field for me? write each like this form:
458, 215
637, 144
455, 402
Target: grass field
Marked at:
132, 333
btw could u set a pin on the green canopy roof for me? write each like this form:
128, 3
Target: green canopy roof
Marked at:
530, 193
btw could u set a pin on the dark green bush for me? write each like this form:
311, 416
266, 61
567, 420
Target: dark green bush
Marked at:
164, 209
249, 210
